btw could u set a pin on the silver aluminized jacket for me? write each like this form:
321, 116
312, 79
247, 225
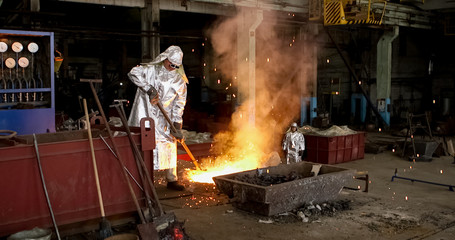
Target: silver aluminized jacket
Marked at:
292, 144
172, 92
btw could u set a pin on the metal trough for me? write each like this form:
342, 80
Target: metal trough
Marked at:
278, 198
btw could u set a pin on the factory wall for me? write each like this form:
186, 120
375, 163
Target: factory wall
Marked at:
422, 73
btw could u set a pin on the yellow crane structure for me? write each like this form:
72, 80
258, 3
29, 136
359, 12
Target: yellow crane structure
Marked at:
343, 12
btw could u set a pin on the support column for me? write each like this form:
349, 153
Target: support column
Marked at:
150, 23
309, 75
246, 58
384, 73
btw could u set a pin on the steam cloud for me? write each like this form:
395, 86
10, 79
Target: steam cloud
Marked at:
280, 82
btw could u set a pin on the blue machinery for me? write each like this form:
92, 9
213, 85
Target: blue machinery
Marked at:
359, 99
27, 82
312, 102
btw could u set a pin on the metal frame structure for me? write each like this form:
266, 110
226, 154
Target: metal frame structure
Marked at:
342, 12
39, 119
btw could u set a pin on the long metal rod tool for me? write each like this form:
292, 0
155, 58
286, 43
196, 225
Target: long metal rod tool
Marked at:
120, 161
138, 159
126, 169
422, 181
160, 106
146, 230
137, 153
35, 142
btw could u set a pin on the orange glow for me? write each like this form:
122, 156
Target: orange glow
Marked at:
240, 149
245, 154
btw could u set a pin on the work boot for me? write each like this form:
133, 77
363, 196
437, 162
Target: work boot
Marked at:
175, 186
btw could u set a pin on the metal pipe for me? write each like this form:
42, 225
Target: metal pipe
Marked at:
41, 98
126, 169
35, 142
5, 96
26, 87
26, 84
19, 95
11, 86
32, 80
422, 181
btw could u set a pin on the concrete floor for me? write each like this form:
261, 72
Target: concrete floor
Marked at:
398, 209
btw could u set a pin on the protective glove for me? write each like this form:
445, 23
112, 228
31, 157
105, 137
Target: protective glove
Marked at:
153, 95
178, 133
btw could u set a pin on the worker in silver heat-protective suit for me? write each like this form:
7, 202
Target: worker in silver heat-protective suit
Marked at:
162, 80
294, 145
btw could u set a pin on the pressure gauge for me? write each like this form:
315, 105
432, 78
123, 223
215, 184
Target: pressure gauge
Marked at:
17, 47
33, 47
23, 62
10, 62
3, 47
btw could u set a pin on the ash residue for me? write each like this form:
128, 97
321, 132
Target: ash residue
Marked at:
312, 212
175, 230
267, 179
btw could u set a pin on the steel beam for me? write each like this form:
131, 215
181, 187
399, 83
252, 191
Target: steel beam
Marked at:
246, 53
122, 3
